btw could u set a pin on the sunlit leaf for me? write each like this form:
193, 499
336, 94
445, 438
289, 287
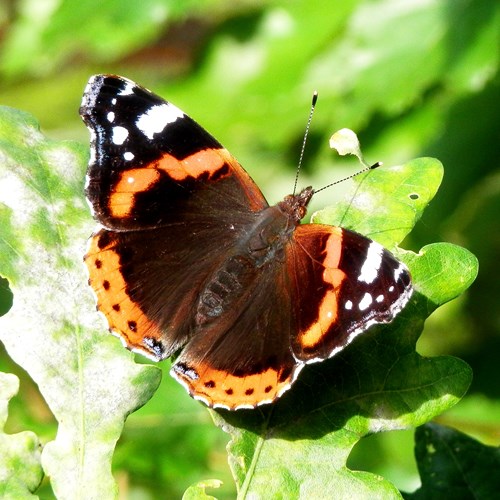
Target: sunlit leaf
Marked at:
198, 491
387, 202
52, 330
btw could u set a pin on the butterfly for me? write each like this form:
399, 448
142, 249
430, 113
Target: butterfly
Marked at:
191, 261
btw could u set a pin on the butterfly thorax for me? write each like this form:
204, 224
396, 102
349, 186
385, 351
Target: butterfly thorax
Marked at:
263, 244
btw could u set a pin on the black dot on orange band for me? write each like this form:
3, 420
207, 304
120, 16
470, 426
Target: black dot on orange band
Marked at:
132, 325
249, 392
105, 284
116, 307
98, 263
268, 388
210, 384
229, 392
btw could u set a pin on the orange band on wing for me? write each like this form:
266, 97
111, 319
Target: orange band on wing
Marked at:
124, 316
217, 387
138, 180
328, 308
207, 160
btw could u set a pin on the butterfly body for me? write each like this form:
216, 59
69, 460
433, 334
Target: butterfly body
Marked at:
191, 259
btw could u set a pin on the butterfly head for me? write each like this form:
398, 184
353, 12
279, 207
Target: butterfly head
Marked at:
295, 205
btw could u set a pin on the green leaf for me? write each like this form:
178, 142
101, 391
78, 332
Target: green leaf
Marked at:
454, 465
431, 271
20, 469
387, 202
52, 330
298, 447
197, 491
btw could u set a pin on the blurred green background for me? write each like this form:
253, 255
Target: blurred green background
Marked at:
413, 79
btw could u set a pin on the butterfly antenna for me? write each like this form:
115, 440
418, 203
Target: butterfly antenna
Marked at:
372, 167
313, 105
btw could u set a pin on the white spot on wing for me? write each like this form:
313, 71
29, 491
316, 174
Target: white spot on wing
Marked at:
128, 89
110, 116
379, 298
157, 118
128, 156
119, 135
348, 305
371, 266
365, 302
398, 272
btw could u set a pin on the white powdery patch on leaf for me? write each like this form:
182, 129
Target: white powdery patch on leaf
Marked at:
31, 135
14, 196
366, 202
59, 158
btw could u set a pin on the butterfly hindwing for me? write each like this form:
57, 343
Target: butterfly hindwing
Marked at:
332, 285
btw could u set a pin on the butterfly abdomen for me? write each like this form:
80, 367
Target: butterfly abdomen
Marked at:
222, 288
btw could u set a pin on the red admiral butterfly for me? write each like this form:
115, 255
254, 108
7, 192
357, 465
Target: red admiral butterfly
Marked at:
192, 260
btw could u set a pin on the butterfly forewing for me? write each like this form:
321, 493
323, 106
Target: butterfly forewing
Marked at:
150, 163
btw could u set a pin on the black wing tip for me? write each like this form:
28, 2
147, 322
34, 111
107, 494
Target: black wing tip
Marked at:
100, 84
